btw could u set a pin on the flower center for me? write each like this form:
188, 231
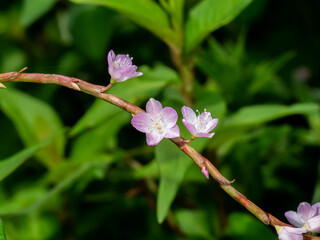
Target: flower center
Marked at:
202, 120
122, 62
158, 125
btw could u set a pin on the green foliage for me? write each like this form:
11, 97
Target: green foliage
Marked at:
7, 166
34, 121
145, 13
34, 9
74, 168
172, 168
208, 16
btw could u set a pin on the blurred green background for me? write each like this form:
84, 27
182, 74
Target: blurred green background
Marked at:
74, 168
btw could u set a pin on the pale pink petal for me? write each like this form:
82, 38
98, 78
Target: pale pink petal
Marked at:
212, 124
316, 206
170, 117
305, 211
173, 132
111, 58
294, 218
313, 224
153, 107
153, 138
289, 233
142, 122
188, 114
208, 135
190, 127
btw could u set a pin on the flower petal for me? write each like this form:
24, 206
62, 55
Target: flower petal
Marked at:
173, 132
294, 218
208, 135
188, 114
289, 233
305, 211
153, 107
212, 124
191, 128
170, 117
153, 138
313, 224
111, 58
142, 122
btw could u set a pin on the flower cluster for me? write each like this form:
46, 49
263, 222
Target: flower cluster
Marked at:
158, 122
306, 219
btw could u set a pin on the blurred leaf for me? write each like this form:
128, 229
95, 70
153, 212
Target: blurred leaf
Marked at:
209, 15
34, 121
253, 115
173, 165
7, 166
147, 14
97, 140
32, 10
243, 226
193, 223
91, 29
134, 90
2, 232
265, 72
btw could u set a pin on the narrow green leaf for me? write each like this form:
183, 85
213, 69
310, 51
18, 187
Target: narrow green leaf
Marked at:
253, 115
2, 232
134, 90
194, 223
209, 15
7, 166
147, 14
173, 165
34, 9
35, 121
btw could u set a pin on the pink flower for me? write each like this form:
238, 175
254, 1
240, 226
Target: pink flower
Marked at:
306, 216
290, 233
121, 68
198, 126
157, 123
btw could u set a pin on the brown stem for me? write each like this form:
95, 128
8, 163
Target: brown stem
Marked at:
95, 90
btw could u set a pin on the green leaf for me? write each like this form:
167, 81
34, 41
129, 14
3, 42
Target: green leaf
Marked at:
7, 166
134, 90
34, 9
86, 24
147, 14
258, 114
35, 121
243, 226
173, 165
235, 126
193, 223
2, 232
209, 15
100, 138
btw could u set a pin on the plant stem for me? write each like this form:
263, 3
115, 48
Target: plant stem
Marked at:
95, 90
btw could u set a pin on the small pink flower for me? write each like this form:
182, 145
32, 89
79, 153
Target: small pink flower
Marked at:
157, 123
198, 126
290, 233
306, 216
121, 68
